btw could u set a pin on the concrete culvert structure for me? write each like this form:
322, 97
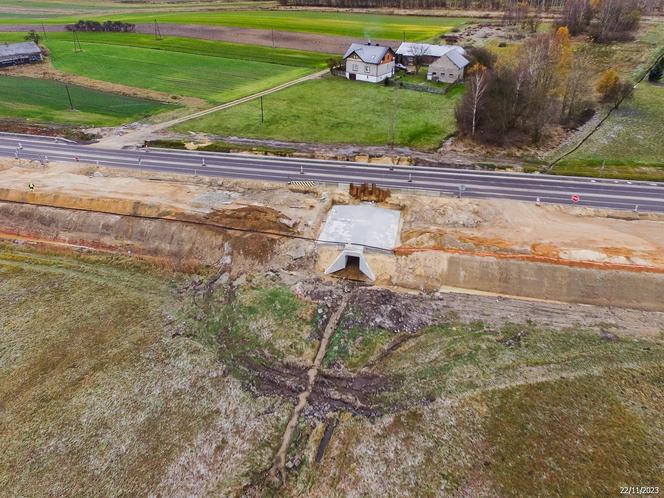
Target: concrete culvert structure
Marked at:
360, 228
352, 256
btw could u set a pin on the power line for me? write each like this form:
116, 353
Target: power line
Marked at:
198, 223
607, 116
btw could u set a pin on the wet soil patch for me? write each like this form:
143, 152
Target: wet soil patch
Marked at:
332, 392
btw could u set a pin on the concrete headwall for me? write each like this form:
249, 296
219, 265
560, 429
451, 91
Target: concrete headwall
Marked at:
430, 270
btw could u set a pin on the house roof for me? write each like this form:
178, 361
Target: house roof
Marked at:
410, 49
369, 53
459, 60
23, 48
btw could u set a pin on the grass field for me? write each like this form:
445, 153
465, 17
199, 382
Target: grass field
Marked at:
115, 380
330, 23
561, 413
98, 396
45, 101
628, 145
214, 71
334, 110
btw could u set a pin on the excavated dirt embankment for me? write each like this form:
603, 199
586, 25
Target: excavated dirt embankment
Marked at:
185, 240
570, 283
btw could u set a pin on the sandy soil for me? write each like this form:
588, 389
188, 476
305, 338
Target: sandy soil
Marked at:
465, 225
567, 233
158, 193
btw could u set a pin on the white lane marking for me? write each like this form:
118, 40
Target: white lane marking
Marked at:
442, 171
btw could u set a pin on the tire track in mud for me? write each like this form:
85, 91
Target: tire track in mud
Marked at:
278, 470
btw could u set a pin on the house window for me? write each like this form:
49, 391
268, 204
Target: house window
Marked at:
366, 69
354, 67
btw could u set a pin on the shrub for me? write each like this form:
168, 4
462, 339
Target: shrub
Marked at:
611, 89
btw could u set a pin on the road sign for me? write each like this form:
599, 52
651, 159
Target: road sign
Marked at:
576, 198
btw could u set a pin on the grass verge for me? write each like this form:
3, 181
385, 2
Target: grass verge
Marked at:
41, 101
628, 145
334, 110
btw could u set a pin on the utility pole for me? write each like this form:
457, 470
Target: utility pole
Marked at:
262, 113
44, 30
393, 120
157, 31
71, 104
273, 38
77, 42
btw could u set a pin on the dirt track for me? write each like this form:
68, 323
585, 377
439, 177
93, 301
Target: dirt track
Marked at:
266, 37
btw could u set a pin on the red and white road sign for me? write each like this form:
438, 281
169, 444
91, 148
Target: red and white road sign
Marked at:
576, 198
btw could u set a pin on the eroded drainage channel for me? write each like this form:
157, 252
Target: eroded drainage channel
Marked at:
278, 470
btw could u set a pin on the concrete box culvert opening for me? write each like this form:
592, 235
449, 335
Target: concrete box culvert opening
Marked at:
357, 229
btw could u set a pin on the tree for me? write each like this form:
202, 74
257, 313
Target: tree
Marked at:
607, 85
335, 63
576, 16
615, 20
469, 110
612, 89
419, 53
482, 56
33, 36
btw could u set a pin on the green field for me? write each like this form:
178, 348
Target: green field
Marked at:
53, 8
43, 101
628, 145
334, 110
330, 23
210, 70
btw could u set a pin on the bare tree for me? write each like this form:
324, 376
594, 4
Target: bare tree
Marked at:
470, 107
419, 53
576, 15
576, 89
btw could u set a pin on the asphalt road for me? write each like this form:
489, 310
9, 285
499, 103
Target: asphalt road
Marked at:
613, 194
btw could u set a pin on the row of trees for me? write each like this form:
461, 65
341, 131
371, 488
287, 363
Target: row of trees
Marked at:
497, 5
516, 99
603, 20
107, 26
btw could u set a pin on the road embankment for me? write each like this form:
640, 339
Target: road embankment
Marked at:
562, 281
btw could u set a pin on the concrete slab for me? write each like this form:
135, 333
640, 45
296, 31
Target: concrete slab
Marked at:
362, 225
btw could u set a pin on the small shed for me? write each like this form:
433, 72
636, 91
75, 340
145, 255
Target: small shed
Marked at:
13, 54
449, 68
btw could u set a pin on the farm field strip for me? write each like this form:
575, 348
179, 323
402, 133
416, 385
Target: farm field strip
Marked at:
47, 101
175, 67
392, 27
44, 8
